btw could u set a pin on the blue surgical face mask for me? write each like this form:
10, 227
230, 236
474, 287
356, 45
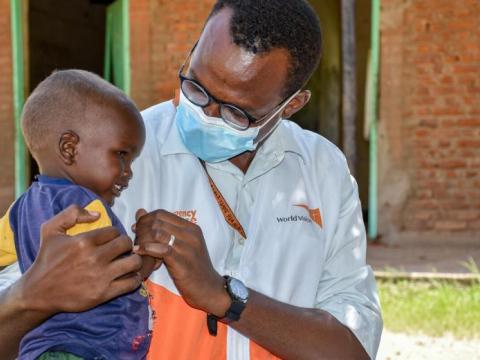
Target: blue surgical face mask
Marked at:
210, 138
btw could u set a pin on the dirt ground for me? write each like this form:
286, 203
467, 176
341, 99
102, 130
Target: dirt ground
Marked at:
419, 347
426, 253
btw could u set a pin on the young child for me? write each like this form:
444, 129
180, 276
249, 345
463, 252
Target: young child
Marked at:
84, 134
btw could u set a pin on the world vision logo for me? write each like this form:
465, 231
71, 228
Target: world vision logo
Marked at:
293, 218
314, 214
190, 215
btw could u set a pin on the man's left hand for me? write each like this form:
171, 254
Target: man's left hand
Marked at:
187, 260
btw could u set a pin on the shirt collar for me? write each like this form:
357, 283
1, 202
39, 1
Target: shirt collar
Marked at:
282, 141
44, 179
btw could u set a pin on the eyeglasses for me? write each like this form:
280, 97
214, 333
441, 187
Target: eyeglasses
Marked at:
232, 115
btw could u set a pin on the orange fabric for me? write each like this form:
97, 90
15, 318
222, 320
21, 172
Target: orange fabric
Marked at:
314, 214
259, 353
180, 331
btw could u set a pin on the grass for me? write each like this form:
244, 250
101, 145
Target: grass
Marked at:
433, 308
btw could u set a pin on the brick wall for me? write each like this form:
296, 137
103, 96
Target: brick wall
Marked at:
430, 115
6, 111
162, 33
429, 107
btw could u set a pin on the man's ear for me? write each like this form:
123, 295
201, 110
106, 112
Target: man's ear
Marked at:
297, 103
67, 147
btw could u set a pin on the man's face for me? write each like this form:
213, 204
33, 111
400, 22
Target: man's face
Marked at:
254, 83
106, 152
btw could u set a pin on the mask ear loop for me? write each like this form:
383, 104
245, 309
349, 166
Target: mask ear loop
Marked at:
176, 98
268, 131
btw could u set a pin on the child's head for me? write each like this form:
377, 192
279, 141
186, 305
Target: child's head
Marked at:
80, 127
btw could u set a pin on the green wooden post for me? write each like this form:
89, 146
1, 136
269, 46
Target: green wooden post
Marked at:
18, 76
117, 45
373, 105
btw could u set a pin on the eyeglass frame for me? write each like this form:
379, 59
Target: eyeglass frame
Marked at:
251, 119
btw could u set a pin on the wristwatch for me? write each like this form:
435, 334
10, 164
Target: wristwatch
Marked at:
238, 292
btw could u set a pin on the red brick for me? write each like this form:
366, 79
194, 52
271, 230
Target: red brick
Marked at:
444, 143
453, 164
450, 225
468, 215
421, 133
471, 143
424, 215
469, 122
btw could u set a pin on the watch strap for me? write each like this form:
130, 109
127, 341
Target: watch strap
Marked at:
232, 314
212, 324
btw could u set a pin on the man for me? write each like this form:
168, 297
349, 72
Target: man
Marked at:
265, 203
270, 206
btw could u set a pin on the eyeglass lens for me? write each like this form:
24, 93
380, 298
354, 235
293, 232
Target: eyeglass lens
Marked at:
229, 113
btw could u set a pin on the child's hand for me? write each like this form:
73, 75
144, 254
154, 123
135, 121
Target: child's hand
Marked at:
149, 263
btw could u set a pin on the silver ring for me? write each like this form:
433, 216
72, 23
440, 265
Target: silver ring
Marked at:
171, 241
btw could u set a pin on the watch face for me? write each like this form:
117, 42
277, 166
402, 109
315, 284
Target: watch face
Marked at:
238, 290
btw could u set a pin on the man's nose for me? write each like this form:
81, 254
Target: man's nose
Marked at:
213, 109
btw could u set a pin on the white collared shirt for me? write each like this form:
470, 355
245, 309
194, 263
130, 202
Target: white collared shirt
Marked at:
301, 212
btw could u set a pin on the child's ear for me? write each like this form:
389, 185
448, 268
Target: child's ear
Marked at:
67, 147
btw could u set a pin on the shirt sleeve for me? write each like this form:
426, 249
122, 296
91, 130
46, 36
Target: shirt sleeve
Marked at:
347, 289
7, 242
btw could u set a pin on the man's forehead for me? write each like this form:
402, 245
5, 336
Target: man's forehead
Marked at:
217, 60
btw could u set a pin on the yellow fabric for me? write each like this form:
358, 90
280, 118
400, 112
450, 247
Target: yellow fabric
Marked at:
103, 221
8, 254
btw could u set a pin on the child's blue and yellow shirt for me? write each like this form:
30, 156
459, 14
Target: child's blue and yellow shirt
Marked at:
118, 329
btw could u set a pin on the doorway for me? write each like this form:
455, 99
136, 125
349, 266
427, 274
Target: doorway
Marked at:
91, 35
323, 113
64, 35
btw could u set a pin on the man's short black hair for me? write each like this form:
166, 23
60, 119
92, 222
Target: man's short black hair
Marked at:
262, 25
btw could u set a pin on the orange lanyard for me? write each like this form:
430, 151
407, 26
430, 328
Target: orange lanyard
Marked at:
227, 212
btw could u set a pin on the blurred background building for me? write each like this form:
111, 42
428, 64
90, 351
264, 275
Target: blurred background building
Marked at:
428, 142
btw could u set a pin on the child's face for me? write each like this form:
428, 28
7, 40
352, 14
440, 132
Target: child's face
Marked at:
105, 153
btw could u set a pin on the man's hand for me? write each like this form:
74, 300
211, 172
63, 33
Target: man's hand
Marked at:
187, 260
72, 274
